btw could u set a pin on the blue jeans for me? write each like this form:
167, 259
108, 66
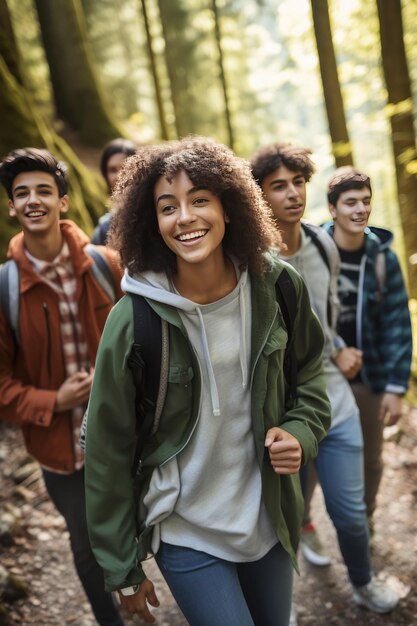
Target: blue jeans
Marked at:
67, 493
339, 466
214, 592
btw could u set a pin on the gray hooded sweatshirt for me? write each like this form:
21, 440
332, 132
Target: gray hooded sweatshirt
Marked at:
209, 496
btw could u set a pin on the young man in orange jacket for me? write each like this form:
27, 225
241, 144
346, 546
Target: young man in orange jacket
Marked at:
47, 361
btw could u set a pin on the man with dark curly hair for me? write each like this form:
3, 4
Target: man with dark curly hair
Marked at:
217, 498
282, 172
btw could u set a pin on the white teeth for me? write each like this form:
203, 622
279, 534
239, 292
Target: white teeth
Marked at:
36, 214
188, 236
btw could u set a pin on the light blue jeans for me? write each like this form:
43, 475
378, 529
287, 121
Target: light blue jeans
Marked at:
339, 466
214, 592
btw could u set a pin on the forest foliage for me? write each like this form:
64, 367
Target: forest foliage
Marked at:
247, 72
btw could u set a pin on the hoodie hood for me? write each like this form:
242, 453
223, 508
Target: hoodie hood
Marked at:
380, 237
156, 286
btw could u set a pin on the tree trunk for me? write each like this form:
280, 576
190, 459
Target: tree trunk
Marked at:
217, 33
341, 145
180, 52
78, 96
400, 112
155, 76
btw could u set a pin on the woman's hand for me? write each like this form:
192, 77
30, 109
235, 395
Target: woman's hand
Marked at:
284, 451
138, 602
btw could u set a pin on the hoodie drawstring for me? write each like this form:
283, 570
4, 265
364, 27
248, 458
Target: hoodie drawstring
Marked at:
215, 402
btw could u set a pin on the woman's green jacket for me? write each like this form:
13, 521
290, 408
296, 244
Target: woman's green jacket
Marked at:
115, 514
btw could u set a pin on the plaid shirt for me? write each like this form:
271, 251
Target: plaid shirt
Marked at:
59, 275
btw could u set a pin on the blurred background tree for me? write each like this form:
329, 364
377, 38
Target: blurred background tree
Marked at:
399, 110
341, 145
23, 124
79, 99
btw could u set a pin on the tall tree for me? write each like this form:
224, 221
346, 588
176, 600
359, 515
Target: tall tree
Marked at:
400, 112
341, 145
79, 99
155, 75
179, 56
217, 32
116, 52
22, 125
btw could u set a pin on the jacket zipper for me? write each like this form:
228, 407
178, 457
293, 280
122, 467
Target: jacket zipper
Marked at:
359, 316
48, 334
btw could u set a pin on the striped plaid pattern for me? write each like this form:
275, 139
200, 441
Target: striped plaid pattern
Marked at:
59, 275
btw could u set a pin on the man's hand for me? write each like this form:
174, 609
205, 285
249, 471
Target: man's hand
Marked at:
390, 410
137, 603
74, 391
349, 361
284, 451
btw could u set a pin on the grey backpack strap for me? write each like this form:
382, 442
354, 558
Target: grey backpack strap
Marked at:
380, 273
9, 295
101, 271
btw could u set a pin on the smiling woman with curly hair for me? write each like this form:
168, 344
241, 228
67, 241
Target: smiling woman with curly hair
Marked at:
217, 499
249, 232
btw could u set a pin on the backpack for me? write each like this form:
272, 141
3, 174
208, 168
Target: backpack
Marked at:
10, 280
148, 361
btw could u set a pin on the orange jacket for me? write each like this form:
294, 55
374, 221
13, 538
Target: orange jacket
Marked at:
31, 373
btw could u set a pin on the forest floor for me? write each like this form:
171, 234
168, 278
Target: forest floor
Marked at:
39, 553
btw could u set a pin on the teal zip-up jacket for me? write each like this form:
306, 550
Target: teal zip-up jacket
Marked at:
383, 325
115, 510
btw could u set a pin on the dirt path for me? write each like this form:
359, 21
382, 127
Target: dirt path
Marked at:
40, 555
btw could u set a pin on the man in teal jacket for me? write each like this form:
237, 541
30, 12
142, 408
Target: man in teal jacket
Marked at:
374, 316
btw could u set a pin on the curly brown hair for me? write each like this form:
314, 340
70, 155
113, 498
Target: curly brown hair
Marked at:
209, 165
269, 158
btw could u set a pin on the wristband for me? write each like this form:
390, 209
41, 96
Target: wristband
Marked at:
129, 591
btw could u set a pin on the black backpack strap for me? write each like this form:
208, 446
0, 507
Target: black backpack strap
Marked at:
287, 300
145, 363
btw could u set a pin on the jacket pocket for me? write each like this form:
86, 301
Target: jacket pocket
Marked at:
180, 381
277, 340
180, 375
